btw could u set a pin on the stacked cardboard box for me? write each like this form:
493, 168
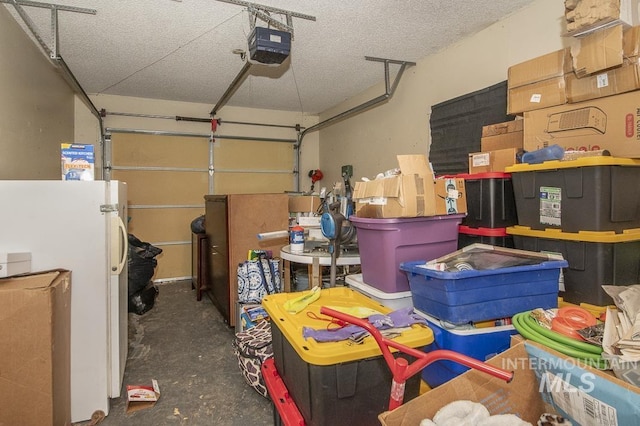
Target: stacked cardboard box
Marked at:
539, 82
585, 16
412, 193
582, 98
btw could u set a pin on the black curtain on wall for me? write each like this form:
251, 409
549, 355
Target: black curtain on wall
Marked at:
456, 126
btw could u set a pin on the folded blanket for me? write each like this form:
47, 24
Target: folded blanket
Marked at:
468, 413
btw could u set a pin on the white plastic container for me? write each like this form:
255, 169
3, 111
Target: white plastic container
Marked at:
397, 300
14, 263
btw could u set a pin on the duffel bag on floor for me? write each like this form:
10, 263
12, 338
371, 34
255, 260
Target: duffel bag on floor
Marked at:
252, 347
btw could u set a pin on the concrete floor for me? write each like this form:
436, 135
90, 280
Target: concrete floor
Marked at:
185, 345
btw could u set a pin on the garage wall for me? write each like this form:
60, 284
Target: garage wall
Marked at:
36, 107
371, 140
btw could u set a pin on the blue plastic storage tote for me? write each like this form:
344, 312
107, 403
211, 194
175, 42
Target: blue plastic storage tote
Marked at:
480, 343
482, 282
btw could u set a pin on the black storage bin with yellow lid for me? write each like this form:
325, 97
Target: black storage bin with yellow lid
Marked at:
595, 259
336, 383
587, 194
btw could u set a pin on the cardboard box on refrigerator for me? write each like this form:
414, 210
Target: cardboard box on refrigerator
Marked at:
609, 123
492, 161
414, 192
35, 331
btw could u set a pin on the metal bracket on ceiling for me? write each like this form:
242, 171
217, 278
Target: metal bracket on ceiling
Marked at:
263, 12
53, 50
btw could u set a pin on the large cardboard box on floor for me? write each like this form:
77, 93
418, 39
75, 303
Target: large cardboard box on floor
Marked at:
414, 192
519, 397
35, 335
609, 123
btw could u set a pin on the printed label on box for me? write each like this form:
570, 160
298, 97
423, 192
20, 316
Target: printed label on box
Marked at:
584, 409
550, 205
479, 160
77, 161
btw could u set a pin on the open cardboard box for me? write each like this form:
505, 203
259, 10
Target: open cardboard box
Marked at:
545, 381
520, 396
414, 192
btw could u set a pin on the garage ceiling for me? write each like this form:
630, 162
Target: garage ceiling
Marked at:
183, 50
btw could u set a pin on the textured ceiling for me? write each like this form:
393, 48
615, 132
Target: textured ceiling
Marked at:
183, 49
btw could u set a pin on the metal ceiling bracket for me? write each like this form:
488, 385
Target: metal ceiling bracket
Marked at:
389, 90
51, 51
262, 12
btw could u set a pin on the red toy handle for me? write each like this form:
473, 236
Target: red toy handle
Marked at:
400, 367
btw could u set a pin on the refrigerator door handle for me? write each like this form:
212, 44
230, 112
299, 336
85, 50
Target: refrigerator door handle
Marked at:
121, 256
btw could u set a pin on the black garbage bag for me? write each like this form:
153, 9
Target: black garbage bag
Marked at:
197, 225
141, 263
143, 300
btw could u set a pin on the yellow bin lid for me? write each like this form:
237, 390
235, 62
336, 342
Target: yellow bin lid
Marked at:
627, 235
329, 353
604, 160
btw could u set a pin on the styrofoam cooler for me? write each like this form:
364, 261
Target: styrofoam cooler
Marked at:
396, 300
385, 243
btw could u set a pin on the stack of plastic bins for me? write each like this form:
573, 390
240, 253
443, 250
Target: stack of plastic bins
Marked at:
476, 285
490, 209
336, 383
385, 243
588, 210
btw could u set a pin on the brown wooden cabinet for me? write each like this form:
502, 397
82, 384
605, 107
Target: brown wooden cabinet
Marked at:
233, 222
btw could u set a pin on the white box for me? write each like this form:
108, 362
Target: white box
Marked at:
397, 300
14, 263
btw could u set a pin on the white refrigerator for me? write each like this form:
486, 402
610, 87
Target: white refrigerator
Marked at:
79, 226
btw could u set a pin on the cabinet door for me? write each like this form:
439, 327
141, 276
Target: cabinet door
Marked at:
217, 251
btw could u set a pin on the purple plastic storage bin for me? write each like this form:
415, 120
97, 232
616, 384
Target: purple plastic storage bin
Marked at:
385, 243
